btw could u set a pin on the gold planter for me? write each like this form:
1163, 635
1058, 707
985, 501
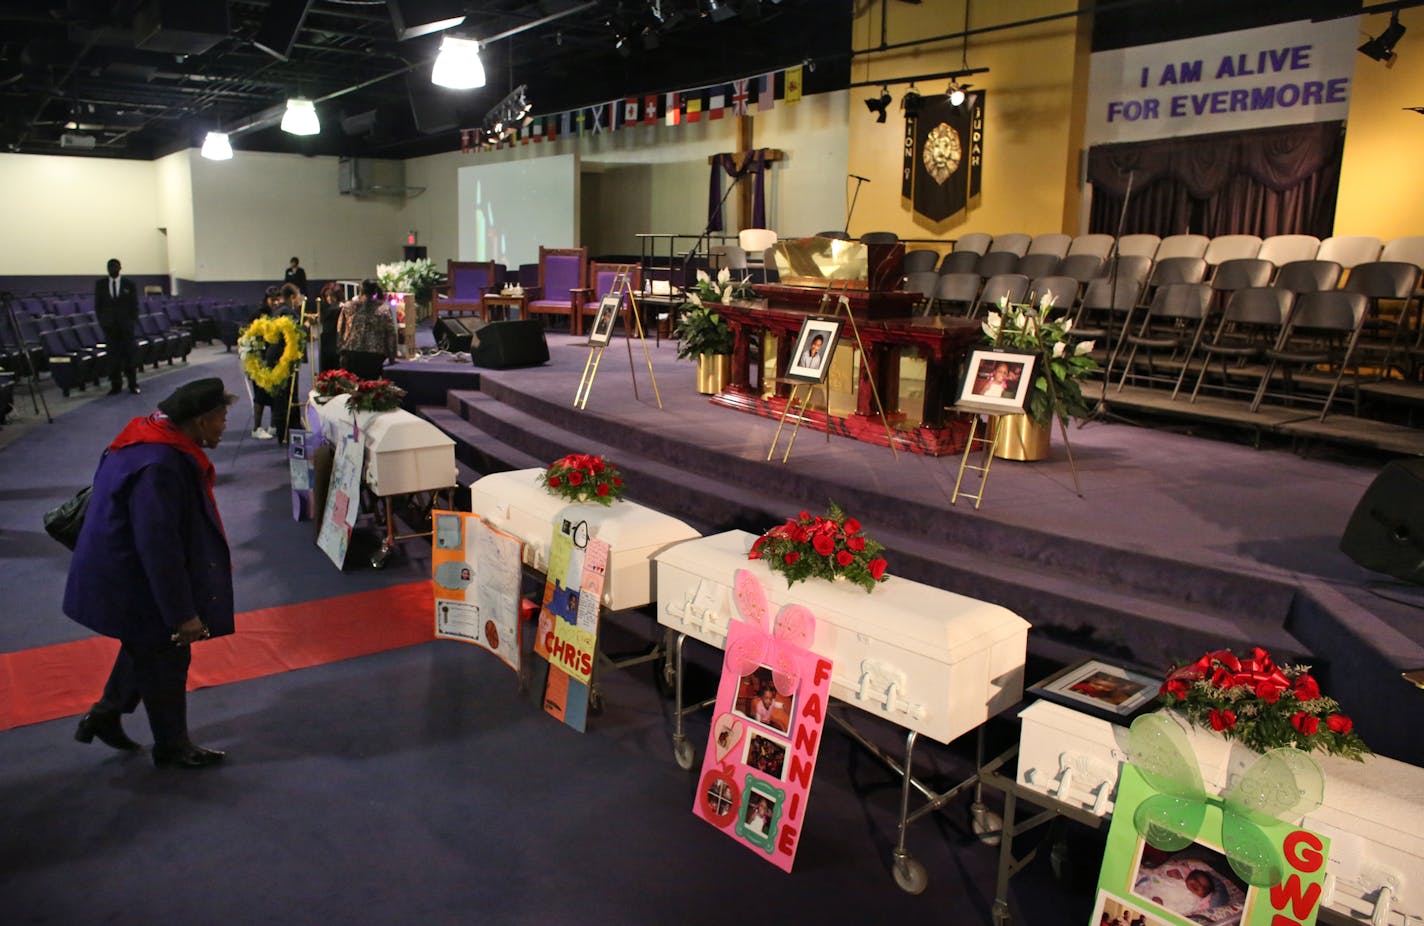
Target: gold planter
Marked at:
1018, 438
713, 371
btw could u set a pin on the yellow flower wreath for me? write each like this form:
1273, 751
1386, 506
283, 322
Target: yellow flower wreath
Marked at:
271, 330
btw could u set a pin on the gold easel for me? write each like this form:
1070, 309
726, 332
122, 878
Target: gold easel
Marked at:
633, 322
991, 434
842, 303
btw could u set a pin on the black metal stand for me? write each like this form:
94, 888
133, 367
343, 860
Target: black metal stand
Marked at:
850, 210
32, 375
706, 232
1100, 411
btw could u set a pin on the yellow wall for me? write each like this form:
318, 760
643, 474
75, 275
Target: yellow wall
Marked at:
1035, 85
1381, 182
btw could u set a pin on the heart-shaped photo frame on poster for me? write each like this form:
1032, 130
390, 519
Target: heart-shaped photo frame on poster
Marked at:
727, 733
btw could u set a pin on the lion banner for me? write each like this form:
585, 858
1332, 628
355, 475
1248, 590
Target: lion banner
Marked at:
944, 155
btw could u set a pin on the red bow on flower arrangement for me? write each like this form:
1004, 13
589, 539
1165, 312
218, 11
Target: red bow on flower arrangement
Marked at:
1261, 703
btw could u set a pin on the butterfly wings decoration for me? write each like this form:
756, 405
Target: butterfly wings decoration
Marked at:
793, 624
1281, 785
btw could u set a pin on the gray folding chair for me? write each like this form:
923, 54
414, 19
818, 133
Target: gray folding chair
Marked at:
1322, 330
921, 259
1173, 324
1250, 325
1010, 287
1038, 265
955, 290
1308, 276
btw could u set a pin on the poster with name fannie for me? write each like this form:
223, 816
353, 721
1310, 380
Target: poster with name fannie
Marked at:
1286, 74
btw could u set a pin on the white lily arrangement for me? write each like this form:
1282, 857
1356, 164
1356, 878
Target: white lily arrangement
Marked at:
1036, 330
723, 289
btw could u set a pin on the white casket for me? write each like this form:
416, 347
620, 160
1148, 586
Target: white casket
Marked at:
404, 453
1373, 811
924, 658
515, 502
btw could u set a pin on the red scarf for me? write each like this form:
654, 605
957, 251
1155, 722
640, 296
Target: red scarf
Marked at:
157, 429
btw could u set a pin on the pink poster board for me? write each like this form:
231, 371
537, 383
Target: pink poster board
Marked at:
766, 728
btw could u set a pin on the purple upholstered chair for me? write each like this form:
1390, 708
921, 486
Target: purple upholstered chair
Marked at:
466, 283
601, 277
563, 273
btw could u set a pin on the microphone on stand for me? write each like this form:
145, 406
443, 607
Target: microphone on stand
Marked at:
860, 178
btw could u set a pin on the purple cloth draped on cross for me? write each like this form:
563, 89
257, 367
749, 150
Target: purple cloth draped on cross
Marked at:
751, 162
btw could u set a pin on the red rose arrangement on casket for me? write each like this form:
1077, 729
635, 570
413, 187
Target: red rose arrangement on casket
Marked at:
375, 395
828, 546
333, 383
583, 477
1260, 703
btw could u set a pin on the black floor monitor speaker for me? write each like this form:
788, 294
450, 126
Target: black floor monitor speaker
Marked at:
1386, 532
455, 334
498, 345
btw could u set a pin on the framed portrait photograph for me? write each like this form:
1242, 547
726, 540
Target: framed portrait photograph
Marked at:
811, 356
1101, 689
602, 329
758, 700
996, 380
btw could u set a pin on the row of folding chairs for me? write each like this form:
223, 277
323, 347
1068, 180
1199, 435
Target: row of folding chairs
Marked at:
74, 352
1262, 342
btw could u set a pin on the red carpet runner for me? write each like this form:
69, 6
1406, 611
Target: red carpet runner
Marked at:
62, 680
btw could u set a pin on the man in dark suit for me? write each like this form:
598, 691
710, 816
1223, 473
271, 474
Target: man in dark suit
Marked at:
116, 305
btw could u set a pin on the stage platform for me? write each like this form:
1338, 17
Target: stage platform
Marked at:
1179, 544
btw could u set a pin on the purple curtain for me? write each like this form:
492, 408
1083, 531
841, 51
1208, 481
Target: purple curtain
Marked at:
751, 162
1275, 181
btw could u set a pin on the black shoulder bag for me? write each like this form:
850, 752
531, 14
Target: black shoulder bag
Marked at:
64, 522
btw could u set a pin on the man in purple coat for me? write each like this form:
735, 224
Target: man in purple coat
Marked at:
152, 568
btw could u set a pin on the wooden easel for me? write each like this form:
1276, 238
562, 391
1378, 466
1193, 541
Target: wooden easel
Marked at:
842, 304
632, 322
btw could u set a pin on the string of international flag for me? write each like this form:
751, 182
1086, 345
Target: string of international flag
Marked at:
743, 97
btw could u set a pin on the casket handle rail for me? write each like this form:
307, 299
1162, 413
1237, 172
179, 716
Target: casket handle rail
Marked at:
868, 690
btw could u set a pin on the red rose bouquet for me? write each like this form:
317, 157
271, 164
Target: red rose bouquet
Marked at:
1262, 704
583, 477
825, 546
375, 395
333, 383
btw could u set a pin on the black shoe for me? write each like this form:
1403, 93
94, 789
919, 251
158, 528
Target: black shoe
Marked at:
115, 389
107, 727
134, 389
186, 755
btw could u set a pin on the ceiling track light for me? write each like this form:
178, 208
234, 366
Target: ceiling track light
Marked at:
300, 117
1381, 48
217, 147
880, 105
458, 65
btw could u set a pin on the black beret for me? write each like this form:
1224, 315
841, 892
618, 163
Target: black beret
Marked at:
196, 398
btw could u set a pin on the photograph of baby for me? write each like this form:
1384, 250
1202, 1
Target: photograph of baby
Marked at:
1196, 882
766, 755
758, 700
759, 812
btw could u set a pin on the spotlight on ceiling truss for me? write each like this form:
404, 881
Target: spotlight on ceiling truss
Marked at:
1381, 48
879, 104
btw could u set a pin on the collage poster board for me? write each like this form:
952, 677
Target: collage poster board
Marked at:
1196, 886
476, 572
761, 751
567, 634
303, 472
343, 498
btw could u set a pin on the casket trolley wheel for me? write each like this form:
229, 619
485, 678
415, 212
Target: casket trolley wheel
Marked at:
910, 874
683, 752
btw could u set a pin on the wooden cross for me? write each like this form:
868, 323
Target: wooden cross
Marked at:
745, 147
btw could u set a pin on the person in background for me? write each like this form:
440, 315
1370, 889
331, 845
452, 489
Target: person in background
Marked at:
296, 276
152, 568
328, 311
367, 332
116, 306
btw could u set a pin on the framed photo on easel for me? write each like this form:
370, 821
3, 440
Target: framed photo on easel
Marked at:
810, 358
997, 381
1101, 689
602, 330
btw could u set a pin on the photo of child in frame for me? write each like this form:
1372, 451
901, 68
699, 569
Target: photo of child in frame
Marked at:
1196, 882
758, 700
998, 379
759, 813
